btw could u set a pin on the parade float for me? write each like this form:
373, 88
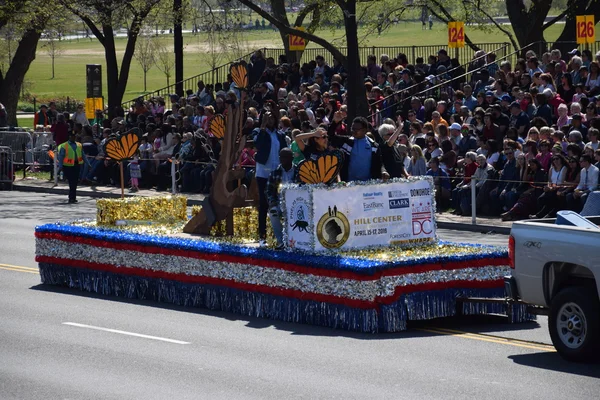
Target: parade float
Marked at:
362, 257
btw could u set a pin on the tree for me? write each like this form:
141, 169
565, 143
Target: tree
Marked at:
574, 8
358, 105
527, 18
53, 47
312, 7
164, 60
145, 55
29, 18
103, 17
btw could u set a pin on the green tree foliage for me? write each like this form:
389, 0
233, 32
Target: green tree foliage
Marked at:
22, 21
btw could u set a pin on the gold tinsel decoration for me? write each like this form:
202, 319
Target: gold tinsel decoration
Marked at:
245, 226
164, 210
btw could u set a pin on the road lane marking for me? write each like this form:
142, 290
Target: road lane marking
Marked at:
501, 338
490, 339
98, 328
15, 268
19, 266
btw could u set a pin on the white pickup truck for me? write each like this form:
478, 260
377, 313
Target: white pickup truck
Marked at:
556, 265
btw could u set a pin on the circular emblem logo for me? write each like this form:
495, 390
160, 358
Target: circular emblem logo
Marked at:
298, 215
333, 229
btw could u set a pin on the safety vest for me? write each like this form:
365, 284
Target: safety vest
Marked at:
69, 159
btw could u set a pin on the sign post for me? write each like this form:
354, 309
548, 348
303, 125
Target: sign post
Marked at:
586, 29
456, 35
94, 100
296, 42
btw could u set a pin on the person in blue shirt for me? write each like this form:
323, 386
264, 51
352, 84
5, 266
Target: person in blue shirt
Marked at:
441, 183
362, 156
470, 101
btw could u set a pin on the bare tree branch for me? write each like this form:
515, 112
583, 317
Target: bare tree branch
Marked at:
493, 20
555, 19
86, 19
303, 34
305, 11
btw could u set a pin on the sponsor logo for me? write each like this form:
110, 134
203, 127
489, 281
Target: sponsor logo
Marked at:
333, 229
420, 192
399, 203
422, 220
400, 236
372, 206
372, 195
422, 226
397, 194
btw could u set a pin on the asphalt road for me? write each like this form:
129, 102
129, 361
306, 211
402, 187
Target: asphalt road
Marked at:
54, 344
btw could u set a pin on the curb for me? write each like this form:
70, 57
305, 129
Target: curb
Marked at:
192, 202
459, 226
85, 193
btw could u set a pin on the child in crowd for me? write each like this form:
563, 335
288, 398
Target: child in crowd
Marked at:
579, 93
135, 171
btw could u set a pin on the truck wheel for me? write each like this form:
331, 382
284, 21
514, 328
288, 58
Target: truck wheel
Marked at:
574, 324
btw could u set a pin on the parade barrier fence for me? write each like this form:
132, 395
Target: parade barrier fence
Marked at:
503, 51
7, 173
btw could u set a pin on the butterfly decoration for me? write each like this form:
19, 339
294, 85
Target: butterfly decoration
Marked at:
217, 126
239, 74
324, 169
122, 147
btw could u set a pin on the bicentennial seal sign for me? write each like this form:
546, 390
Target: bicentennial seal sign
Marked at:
333, 229
397, 213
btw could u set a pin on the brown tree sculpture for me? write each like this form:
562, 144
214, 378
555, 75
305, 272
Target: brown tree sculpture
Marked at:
222, 199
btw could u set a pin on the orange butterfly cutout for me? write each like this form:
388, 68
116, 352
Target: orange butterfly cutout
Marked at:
324, 169
123, 147
239, 74
217, 126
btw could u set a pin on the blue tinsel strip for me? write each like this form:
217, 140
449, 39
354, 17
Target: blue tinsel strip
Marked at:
358, 265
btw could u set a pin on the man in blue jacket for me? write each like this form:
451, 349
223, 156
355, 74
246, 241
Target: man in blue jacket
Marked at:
268, 142
362, 156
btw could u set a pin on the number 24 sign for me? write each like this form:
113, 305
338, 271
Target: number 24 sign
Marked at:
456, 35
586, 30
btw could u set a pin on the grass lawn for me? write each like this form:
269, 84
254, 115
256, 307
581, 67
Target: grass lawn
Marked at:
25, 122
70, 66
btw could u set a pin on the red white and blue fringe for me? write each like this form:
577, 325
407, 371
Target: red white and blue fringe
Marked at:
349, 294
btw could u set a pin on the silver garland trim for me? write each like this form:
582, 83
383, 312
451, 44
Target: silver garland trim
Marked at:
272, 277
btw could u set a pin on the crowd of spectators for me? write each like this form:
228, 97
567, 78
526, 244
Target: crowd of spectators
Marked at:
526, 133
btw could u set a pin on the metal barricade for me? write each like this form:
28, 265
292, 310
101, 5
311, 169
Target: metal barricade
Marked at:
42, 143
20, 143
7, 172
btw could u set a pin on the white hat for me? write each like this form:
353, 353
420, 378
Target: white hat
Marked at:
455, 126
270, 86
547, 92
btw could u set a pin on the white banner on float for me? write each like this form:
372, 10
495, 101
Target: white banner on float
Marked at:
298, 221
373, 215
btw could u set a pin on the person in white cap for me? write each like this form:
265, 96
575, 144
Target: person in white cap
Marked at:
455, 134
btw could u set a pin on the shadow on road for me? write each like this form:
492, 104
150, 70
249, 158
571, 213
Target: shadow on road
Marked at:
553, 362
474, 323
44, 207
